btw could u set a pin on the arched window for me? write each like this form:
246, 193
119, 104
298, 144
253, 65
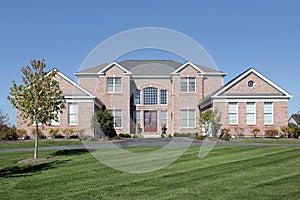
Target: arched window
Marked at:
150, 96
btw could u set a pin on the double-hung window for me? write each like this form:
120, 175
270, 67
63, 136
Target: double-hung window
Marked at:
163, 115
117, 114
188, 118
72, 113
250, 113
188, 84
54, 122
113, 85
137, 117
268, 113
233, 112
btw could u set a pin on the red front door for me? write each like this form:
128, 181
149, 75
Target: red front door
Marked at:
150, 121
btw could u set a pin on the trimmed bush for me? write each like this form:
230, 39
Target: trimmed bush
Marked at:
182, 134
225, 134
53, 132
199, 136
271, 133
124, 135
22, 133
9, 134
294, 131
40, 133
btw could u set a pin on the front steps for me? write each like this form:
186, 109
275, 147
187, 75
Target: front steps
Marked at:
150, 135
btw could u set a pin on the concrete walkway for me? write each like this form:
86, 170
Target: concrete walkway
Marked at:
146, 142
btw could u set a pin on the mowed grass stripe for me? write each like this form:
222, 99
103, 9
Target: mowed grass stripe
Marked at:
220, 175
154, 178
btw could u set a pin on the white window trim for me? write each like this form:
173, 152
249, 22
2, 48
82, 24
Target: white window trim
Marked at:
114, 85
113, 113
237, 113
73, 124
166, 117
135, 116
157, 97
272, 103
187, 85
134, 98
55, 123
254, 121
187, 118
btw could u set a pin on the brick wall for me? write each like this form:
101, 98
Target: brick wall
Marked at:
280, 117
85, 112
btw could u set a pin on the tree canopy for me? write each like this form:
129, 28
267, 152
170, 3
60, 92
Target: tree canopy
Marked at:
103, 123
39, 99
209, 122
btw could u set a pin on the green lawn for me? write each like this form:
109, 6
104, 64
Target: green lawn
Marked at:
42, 143
266, 172
267, 140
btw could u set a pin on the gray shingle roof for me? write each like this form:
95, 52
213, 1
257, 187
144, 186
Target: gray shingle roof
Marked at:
206, 69
93, 69
296, 117
148, 67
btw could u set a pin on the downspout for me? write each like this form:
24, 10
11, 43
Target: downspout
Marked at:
203, 86
172, 112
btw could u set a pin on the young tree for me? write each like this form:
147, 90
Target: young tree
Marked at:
209, 122
103, 121
39, 99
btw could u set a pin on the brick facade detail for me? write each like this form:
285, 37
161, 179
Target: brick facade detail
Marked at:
90, 94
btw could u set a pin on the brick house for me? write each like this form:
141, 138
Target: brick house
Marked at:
295, 119
150, 93
249, 101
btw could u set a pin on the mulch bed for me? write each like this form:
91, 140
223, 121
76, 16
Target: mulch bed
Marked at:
33, 160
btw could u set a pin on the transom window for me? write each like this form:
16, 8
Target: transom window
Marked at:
268, 113
113, 84
150, 96
188, 118
233, 113
188, 84
163, 97
250, 113
137, 97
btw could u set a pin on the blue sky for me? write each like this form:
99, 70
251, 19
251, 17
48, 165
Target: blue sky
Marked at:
237, 35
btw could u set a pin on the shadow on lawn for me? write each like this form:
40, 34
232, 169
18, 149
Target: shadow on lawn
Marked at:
29, 170
70, 152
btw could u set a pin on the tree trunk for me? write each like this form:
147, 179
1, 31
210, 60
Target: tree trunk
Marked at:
36, 140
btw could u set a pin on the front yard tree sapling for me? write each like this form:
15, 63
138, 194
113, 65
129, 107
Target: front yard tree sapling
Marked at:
39, 99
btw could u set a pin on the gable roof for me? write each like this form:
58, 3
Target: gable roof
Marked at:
87, 95
246, 73
102, 71
148, 68
230, 84
199, 68
296, 117
73, 83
